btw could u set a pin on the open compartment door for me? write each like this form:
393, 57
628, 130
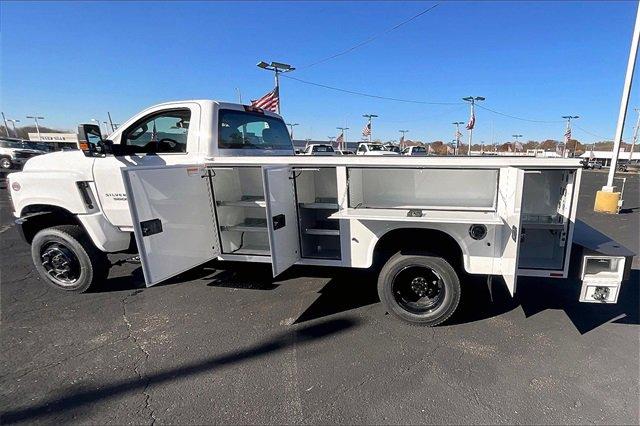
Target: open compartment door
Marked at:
509, 209
282, 217
173, 221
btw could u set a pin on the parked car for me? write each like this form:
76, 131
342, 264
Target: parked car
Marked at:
372, 148
319, 149
415, 150
14, 153
344, 152
591, 164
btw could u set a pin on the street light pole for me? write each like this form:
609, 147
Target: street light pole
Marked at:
370, 116
13, 123
457, 124
277, 68
635, 135
343, 144
36, 118
291, 129
402, 139
624, 102
472, 100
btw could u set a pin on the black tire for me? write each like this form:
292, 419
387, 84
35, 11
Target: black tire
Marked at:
5, 163
419, 289
68, 248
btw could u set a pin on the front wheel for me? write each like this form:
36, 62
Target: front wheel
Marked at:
66, 259
419, 289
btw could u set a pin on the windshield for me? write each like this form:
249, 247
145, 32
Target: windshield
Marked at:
419, 149
322, 148
249, 130
376, 148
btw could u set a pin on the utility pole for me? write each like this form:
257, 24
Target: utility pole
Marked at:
567, 132
516, 137
277, 68
6, 127
472, 120
36, 118
13, 122
239, 96
370, 116
331, 138
402, 138
291, 129
344, 136
457, 139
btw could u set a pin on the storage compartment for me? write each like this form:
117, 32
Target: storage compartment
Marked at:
317, 195
428, 189
241, 210
546, 203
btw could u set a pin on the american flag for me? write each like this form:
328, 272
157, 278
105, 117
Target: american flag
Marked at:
450, 150
567, 135
340, 138
268, 102
472, 121
366, 131
519, 146
458, 135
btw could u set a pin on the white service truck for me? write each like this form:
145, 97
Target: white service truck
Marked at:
182, 183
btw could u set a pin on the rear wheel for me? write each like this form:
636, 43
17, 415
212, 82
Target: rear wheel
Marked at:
66, 259
419, 289
5, 163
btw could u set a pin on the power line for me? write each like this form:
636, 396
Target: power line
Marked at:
370, 39
575, 126
353, 92
518, 118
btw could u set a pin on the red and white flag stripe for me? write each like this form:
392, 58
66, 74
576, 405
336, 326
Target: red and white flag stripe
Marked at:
268, 102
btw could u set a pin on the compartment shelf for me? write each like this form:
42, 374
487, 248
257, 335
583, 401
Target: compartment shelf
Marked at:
542, 225
252, 225
441, 216
253, 250
325, 206
319, 231
244, 202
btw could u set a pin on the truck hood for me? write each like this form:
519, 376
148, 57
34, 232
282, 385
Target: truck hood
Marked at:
61, 161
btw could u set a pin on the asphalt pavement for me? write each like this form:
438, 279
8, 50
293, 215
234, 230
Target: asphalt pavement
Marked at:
227, 344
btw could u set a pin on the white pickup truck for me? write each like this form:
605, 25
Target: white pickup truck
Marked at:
182, 183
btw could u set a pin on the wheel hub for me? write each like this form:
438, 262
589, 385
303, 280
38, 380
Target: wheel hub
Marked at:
60, 263
418, 289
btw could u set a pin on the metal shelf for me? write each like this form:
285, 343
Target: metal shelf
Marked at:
258, 202
318, 231
327, 206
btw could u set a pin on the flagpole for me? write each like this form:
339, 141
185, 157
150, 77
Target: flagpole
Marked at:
471, 125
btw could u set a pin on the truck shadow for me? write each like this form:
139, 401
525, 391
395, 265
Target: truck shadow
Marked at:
349, 289
68, 401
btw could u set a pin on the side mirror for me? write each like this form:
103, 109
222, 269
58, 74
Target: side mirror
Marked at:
90, 140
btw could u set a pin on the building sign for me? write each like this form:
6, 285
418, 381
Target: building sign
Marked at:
54, 137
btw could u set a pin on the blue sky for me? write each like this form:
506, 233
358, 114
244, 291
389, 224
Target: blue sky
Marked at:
75, 61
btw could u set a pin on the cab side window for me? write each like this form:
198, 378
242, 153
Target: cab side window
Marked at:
163, 132
362, 148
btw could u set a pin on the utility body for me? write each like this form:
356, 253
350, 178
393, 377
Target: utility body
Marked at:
183, 183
